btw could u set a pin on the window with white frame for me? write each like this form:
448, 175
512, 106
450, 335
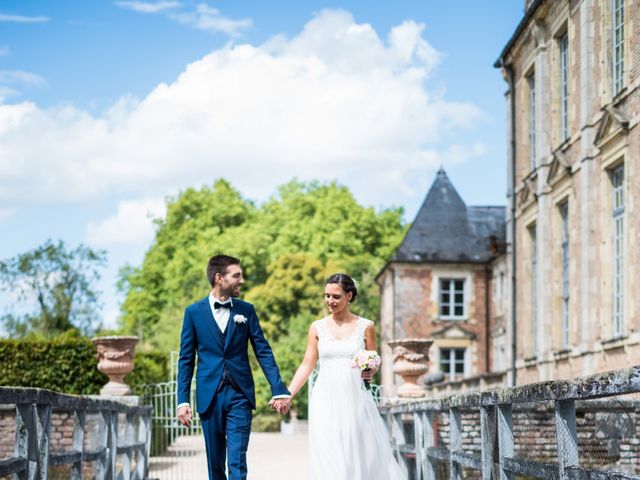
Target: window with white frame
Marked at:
531, 81
452, 302
564, 218
563, 44
617, 183
452, 362
617, 28
533, 242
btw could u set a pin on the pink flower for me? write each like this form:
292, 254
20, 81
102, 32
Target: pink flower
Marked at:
366, 359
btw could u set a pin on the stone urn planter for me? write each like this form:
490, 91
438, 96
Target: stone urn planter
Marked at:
115, 360
410, 361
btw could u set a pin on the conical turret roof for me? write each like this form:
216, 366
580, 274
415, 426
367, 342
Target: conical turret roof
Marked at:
446, 230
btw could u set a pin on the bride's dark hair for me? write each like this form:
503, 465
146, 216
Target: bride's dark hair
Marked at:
346, 282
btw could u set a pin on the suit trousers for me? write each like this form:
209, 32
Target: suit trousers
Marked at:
226, 426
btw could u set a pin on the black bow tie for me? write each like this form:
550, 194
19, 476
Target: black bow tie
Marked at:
217, 305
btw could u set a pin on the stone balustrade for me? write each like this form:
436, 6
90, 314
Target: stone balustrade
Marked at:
582, 437
57, 430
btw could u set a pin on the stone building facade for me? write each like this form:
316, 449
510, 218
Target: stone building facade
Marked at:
561, 301
573, 71
439, 285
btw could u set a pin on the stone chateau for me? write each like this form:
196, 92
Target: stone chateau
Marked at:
546, 288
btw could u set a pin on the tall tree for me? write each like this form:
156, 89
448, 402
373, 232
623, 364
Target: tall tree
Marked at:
173, 271
287, 246
53, 289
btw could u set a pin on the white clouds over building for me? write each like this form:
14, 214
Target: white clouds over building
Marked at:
336, 101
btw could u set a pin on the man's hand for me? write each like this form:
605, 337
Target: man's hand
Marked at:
281, 405
185, 415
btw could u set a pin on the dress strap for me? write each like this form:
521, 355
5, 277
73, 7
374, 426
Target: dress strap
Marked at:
321, 328
363, 324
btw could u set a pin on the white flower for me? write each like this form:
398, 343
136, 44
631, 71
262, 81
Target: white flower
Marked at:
240, 319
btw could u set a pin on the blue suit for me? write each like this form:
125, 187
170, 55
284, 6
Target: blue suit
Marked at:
225, 408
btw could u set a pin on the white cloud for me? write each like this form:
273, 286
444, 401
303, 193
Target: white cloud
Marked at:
132, 224
336, 101
6, 214
6, 92
209, 19
6, 17
149, 7
21, 77
203, 18
13, 81
460, 153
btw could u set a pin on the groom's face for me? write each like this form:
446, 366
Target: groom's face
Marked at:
231, 281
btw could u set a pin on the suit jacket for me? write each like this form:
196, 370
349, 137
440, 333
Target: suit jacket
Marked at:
201, 335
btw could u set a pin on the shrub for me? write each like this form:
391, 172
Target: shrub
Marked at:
266, 422
68, 365
149, 367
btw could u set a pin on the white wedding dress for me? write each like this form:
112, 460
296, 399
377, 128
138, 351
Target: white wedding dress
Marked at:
348, 439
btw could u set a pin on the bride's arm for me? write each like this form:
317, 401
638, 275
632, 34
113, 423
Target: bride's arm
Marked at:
308, 363
370, 344
370, 337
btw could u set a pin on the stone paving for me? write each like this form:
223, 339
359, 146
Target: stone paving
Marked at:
275, 456
271, 456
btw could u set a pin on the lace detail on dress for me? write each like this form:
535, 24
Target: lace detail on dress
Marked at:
363, 324
323, 333
331, 348
344, 423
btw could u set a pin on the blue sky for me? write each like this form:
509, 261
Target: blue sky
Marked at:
108, 107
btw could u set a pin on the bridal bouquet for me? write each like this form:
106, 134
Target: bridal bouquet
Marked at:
366, 360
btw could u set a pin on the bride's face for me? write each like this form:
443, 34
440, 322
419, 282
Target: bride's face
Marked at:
336, 298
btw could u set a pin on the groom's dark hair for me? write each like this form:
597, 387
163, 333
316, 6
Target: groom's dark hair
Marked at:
219, 264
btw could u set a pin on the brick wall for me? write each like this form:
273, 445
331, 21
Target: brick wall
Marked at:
61, 434
607, 435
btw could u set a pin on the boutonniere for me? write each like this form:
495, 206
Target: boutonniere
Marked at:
240, 319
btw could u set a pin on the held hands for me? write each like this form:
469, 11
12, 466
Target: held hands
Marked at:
185, 415
281, 405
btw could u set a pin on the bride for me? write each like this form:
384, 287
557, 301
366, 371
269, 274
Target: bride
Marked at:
347, 437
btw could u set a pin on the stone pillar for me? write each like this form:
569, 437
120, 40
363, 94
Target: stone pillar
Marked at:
387, 322
586, 287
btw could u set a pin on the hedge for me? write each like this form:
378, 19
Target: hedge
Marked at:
69, 366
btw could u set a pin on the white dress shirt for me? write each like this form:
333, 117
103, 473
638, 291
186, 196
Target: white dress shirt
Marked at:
221, 317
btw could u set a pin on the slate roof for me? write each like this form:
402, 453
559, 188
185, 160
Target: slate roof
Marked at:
446, 230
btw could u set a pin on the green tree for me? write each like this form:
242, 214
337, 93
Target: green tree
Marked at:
294, 287
172, 274
325, 221
289, 300
288, 246
58, 283
320, 220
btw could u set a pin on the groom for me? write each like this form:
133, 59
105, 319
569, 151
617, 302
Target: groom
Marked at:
219, 328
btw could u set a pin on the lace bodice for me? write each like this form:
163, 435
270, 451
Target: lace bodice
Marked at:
333, 350
348, 439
